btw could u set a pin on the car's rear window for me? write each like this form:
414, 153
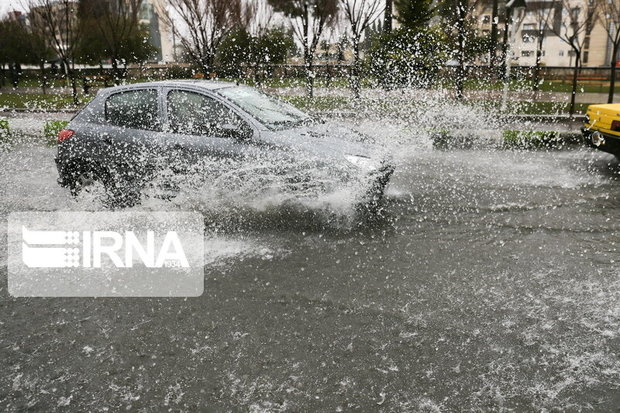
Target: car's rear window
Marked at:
135, 109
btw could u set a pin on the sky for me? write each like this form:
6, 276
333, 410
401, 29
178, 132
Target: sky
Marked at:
8, 5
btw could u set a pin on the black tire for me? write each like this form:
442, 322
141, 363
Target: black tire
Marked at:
120, 193
84, 175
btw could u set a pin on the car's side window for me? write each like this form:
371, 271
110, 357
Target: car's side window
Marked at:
135, 109
196, 114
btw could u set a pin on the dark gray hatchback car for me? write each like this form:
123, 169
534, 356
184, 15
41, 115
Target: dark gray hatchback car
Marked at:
126, 135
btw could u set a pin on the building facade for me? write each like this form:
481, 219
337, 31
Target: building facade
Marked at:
549, 18
160, 33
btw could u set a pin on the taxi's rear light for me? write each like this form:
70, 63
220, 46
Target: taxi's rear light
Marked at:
65, 134
615, 125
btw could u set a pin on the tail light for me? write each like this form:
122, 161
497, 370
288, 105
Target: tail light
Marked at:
615, 125
65, 134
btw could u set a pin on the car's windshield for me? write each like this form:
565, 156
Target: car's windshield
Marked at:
271, 112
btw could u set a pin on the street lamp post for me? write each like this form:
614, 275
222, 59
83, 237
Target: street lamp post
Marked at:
511, 6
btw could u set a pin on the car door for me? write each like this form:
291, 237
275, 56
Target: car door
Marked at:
131, 138
200, 128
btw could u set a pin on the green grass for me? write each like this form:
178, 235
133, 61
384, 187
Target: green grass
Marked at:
529, 139
51, 129
546, 86
316, 104
339, 103
532, 108
37, 101
5, 132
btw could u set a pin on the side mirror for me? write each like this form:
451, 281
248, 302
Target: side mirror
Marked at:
230, 130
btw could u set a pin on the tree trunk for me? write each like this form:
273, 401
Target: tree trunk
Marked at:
612, 80
74, 89
460, 73
43, 77
103, 74
387, 17
309, 60
571, 110
115, 72
538, 58
355, 72
206, 65
14, 74
71, 74
493, 42
256, 74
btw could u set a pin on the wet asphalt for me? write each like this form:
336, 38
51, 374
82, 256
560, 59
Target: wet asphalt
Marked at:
488, 282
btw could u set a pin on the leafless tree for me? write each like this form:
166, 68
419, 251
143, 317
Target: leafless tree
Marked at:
360, 14
116, 30
259, 16
459, 19
608, 14
58, 20
308, 19
204, 24
544, 15
577, 21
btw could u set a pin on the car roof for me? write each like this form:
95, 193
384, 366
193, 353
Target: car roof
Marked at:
204, 84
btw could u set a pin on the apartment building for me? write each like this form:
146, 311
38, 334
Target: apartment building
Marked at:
160, 33
550, 17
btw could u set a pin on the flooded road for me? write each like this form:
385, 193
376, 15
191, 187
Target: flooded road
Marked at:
490, 282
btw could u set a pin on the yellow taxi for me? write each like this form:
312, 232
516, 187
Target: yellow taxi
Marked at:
602, 127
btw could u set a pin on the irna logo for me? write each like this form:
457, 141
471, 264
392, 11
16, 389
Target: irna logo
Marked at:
106, 254
65, 249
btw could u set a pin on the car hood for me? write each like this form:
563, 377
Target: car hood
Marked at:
325, 140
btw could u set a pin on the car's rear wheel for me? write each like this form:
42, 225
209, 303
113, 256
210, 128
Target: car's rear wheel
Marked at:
86, 177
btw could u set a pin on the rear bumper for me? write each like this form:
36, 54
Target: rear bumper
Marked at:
609, 144
63, 176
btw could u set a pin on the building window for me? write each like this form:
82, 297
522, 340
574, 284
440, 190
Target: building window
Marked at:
526, 53
586, 42
528, 39
529, 26
585, 57
561, 53
486, 19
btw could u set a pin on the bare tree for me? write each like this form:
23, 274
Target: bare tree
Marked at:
360, 14
259, 17
58, 20
111, 30
40, 52
544, 15
459, 18
204, 24
577, 21
308, 19
608, 14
